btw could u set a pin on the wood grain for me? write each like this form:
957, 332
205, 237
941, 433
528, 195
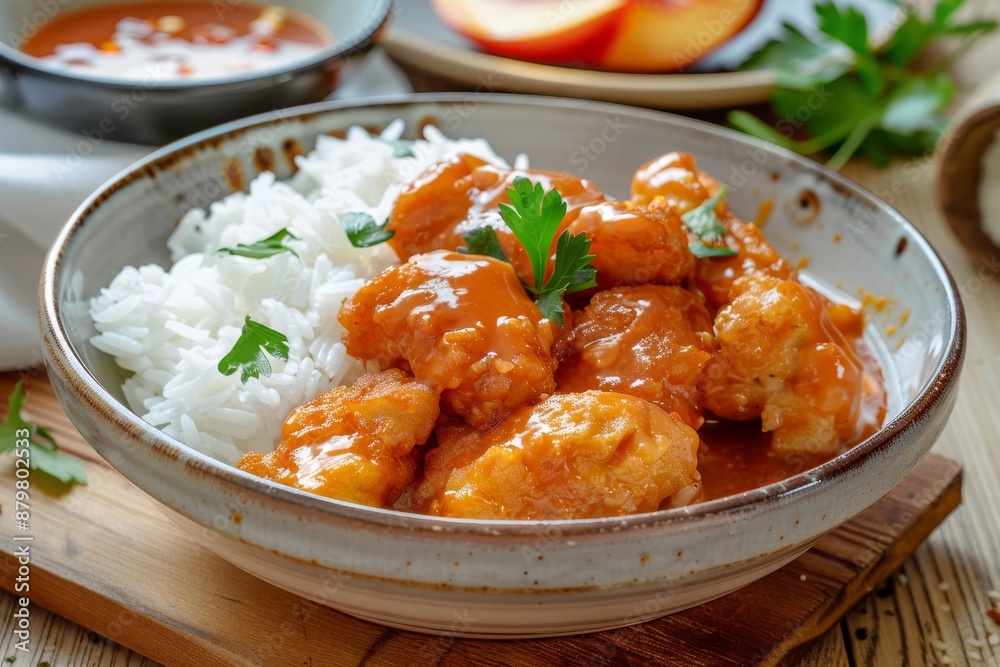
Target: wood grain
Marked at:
105, 557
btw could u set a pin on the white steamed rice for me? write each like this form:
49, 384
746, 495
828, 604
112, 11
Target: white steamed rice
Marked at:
171, 327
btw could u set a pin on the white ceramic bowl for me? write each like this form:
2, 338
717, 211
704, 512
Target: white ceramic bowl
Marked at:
515, 578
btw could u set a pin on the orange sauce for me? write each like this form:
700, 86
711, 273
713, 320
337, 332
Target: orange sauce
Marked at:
462, 324
464, 194
726, 350
175, 38
737, 457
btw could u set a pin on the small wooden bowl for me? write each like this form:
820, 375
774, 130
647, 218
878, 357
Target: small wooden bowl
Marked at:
974, 129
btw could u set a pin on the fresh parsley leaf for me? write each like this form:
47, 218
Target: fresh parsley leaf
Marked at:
943, 11
700, 250
704, 222
58, 466
534, 216
551, 305
837, 107
915, 34
970, 28
483, 241
14, 421
43, 454
910, 39
362, 230
918, 106
248, 352
850, 27
269, 247
800, 62
573, 270
401, 148
873, 103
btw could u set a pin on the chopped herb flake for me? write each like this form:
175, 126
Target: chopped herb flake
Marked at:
248, 352
43, 451
362, 230
269, 247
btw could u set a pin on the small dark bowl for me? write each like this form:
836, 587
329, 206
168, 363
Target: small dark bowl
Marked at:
158, 112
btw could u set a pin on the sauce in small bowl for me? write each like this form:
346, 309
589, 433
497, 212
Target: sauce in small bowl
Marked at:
149, 109
174, 40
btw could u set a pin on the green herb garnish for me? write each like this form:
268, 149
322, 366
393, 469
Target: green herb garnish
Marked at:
362, 230
700, 250
269, 247
400, 147
248, 353
483, 241
534, 216
43, 451
704, 223
850, 98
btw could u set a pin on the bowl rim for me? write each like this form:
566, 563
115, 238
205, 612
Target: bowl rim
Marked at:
356, 42
59, 350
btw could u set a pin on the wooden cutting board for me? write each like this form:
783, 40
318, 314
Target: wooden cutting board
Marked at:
105, 557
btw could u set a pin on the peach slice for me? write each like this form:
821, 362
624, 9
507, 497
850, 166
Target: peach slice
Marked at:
553, 31
669, 35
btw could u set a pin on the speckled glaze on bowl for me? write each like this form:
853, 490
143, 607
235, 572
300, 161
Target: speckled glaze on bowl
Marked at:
155, 112
517, 578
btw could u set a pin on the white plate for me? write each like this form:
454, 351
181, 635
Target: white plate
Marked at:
416, 37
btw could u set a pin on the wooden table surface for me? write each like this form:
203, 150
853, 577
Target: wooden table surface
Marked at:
934, 610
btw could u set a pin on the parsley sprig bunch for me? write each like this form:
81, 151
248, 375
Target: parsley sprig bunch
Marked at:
43, 452
851, 98
534, 216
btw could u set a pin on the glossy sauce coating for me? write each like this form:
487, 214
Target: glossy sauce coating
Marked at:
650, 341
464, 194
601, 417
737, 456
461, 323
783, 359
581, 455
672, 177
354, 443
634, 245
754, 254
